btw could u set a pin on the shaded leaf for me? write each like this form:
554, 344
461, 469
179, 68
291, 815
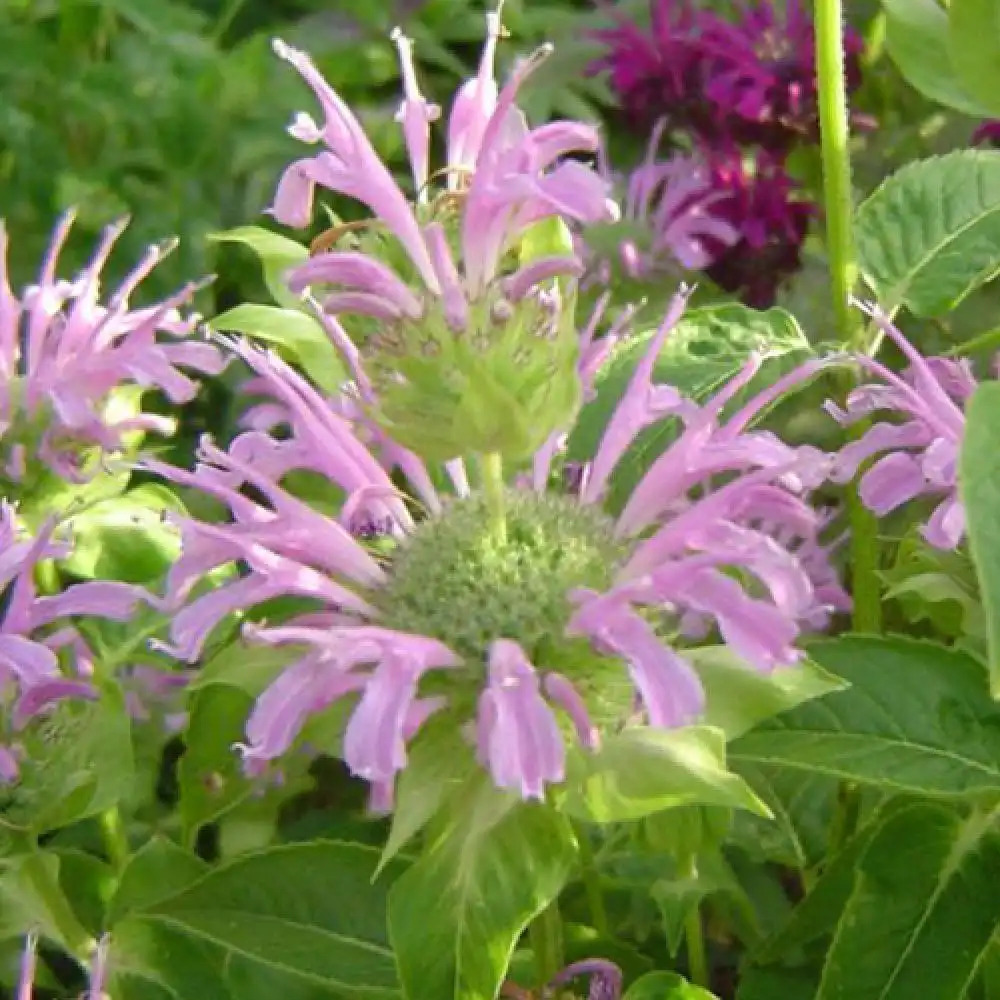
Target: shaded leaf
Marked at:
923, 909
974, 45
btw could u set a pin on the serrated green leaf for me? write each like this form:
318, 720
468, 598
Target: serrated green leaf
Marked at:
974, 45
930, 234
641, 771
914, 32
917, 718
923, 909
299, 337
738, 697
979, 483
456, 915
310, 911
707, 348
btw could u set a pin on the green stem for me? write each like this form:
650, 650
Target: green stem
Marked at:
694, 940
546, 936
491, 466
592, 885
115, 838
834, 131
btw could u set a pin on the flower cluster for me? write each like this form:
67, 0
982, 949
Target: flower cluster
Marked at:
742, 94
917, 455
65, 359
43, 657
460, 330
513, 623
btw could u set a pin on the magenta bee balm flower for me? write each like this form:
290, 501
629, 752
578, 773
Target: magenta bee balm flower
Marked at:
505, 608
64, 355
917, 453
43, 657
440, 294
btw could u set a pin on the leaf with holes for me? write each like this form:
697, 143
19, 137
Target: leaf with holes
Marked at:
930, 234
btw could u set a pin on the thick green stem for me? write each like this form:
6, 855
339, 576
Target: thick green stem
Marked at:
592, 886
694, 939
115, 839
846, 812
546, 936
491, 467
834, 131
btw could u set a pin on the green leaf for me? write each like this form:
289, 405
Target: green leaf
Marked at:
157, 870
300, 337
916, 718
738, 697
914, 32
772, 984
155, 962
277, 255
665, 986
706, 348
31, 896
456, 915
818, 913
641, 771
930, 233
126, 537
210, 774
439, 762
923, 909
78, 762
307, 910
974, 44
979, 483
801, 805
88, 884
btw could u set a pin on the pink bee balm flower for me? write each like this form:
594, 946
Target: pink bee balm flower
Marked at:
63, 354
503, 608
43, 658
445, 290
917, 455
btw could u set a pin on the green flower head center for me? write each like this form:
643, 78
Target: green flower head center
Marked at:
455, 581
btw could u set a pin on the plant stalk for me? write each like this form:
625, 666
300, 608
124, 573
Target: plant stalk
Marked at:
115, 838
592, 886
834, 135
491, 467
694, 941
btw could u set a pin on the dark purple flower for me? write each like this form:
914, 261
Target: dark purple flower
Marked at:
751, 79
988, 134
759, 200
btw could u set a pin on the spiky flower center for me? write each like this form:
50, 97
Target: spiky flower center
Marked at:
456, 581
